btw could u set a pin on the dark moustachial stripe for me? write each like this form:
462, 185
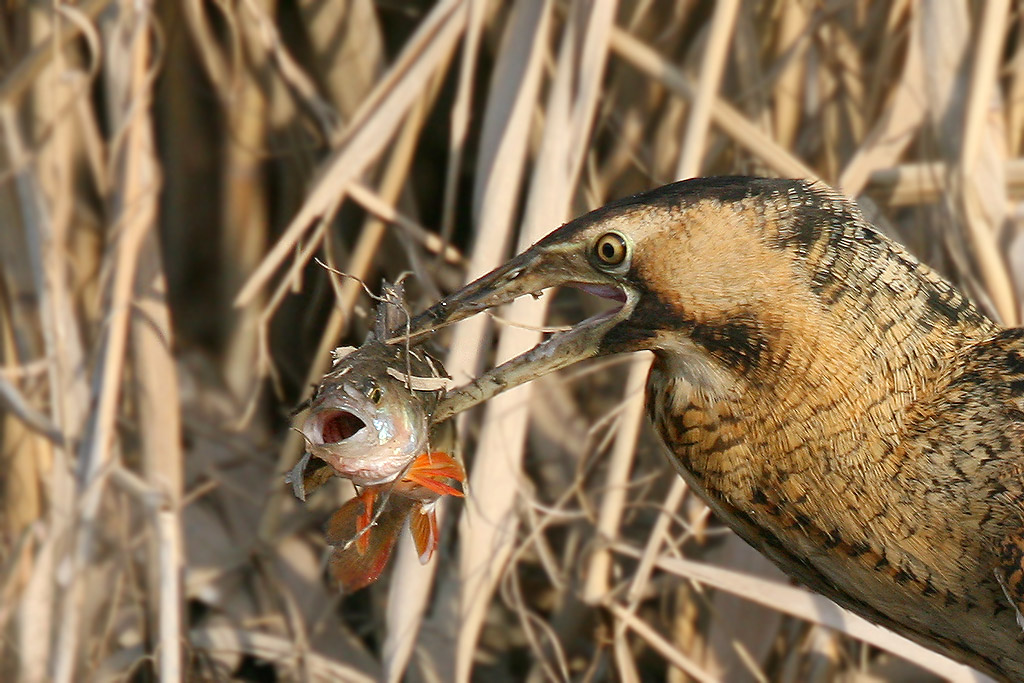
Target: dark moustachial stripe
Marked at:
739, 343
739, 340
651, 314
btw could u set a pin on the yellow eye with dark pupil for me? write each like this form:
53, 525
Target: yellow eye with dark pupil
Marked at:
376, 394
610, 249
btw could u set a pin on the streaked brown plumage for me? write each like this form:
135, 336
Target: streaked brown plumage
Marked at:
837, 403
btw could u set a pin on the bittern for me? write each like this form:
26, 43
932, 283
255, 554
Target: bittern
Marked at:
841, 406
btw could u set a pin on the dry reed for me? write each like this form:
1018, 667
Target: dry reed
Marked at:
170, 171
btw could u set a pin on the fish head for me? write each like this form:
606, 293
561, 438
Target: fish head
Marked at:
364, 422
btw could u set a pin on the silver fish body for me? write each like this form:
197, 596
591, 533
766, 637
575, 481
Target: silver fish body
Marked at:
367, 419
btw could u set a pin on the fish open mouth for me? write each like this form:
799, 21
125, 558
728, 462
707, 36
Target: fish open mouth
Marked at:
337, 425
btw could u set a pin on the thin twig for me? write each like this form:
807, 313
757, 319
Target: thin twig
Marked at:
658, 642
12, 400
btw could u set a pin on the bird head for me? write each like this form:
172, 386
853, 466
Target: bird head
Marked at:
715, 275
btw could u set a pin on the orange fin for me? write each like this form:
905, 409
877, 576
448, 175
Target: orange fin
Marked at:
367, 496
344, 523
433, 470
361, 553
352, 521
423, 526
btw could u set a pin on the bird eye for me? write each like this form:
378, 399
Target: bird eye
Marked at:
610, 249
376, 394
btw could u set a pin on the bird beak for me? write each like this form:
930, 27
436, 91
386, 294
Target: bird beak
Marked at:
545, 265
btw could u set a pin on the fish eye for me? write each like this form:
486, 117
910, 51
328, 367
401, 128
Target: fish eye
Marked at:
611, 249
375, 394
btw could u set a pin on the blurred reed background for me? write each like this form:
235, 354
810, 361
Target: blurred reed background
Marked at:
168, 171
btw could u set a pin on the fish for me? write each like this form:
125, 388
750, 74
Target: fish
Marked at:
370, 421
